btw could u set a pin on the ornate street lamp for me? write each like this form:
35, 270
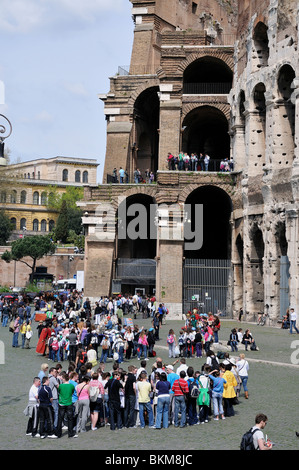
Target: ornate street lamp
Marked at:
6, 130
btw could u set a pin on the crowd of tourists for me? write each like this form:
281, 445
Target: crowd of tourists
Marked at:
193, 162
83, 383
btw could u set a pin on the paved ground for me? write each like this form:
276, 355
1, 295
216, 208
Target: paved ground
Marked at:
273, 390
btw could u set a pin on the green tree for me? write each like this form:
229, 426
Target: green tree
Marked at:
61, 231
5, 228
58, 201
35, 247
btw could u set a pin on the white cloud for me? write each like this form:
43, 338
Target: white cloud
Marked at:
44, 116
26, 15
77, 89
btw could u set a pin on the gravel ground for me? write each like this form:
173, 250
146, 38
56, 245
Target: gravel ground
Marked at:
273, 390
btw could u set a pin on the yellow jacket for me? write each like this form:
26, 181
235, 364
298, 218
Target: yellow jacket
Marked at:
228, 388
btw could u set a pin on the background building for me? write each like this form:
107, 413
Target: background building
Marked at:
26, 187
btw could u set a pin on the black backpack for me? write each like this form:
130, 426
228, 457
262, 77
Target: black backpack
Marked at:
247, 440
215, 363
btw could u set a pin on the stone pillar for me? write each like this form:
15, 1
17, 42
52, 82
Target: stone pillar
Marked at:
117, 147
98, 267
99, 251
292, 235
170, 130
238, 146
255, 142
169, 268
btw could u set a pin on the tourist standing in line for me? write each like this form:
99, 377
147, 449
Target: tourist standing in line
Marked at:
243, 368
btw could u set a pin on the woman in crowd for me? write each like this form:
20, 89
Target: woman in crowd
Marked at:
82, 390
162, 389
243, 368
229, 393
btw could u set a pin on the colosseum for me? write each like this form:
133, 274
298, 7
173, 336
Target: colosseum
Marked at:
204, 122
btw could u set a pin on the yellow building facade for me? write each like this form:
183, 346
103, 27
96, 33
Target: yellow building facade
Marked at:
26, 188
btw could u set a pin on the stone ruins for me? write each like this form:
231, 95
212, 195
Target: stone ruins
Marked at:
207, 77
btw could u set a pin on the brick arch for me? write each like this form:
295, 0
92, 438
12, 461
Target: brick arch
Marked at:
192, 187
228, 60
135, 191
137, 92
223, 107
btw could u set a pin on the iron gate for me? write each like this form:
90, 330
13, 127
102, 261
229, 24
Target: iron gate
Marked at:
207, 286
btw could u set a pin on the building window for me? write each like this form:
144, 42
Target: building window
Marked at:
51, 225
36, 197
23, 197
38, 175
77, 176
13, 197
65, 175
85, 176
3, 196
13, 222
35, 225
44, 199
23, 224
43, 225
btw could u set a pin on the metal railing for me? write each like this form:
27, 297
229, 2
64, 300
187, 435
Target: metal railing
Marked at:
207, 88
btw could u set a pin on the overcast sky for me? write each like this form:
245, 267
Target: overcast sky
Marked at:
56, 57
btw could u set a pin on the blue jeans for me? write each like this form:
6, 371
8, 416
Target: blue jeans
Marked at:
162, 412
15, 340
192, 413
4, 320
104, 355
142, 348
217, 403
244, 382
179, 407
293, 325
233, 345
121, 354
148, 408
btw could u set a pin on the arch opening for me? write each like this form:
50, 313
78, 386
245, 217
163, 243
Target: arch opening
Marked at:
199, 77
216, 229
146, 119
205, 130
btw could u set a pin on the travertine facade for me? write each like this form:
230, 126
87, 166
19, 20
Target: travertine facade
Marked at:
216, 77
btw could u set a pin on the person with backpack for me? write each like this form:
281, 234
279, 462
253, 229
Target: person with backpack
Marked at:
254, 438
192, 397
203, 400
105, 348
96, 394
172, 343
217, 393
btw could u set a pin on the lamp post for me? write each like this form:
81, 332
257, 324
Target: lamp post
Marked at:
6, 131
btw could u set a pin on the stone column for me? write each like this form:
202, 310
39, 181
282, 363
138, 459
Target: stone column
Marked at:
170, 250
170, 130
117, 147
99, 251
292, 235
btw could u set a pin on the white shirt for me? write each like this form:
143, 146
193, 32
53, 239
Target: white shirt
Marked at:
182, 367
243, 368
293, 316
33, 394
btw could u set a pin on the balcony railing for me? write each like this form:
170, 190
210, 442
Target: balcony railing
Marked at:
207, 88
